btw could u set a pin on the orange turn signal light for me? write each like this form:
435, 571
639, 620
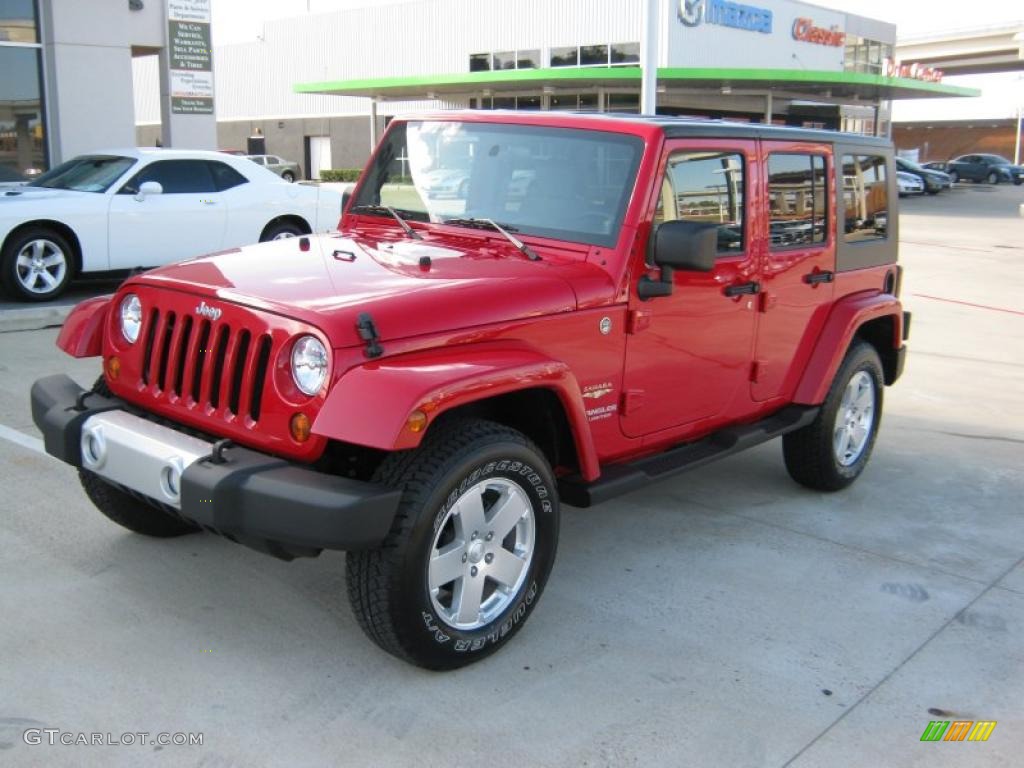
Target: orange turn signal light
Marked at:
113, 367
417, 421
300, 427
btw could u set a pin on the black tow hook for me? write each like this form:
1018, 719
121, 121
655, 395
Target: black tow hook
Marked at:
217, 452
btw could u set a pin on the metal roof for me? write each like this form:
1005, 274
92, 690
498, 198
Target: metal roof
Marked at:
855, 86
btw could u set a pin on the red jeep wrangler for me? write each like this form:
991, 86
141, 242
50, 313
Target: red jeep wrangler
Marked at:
519, 309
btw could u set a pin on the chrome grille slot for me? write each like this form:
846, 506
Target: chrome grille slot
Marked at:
262, 362
237, 366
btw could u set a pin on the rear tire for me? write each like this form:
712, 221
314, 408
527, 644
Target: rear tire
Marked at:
470, 549
993, 178
832, 451
127, 510
288, 176
282, 230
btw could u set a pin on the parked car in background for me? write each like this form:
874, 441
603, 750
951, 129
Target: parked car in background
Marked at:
286, 170
937, 165
989, 168
934, 181
139, 208
909, 184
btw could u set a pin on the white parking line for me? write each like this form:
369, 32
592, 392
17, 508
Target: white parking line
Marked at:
20, 438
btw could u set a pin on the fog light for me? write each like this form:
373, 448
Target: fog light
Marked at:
113, 367
300, 427
170, 478
94, 448
417, 421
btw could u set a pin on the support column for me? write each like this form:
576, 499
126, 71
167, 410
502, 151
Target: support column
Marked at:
600, 100
769, 107
649, 34
373, 124
1016, 145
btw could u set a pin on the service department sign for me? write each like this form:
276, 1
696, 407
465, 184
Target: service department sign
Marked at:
190, 55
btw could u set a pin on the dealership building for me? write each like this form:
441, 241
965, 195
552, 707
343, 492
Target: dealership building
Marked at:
319, 88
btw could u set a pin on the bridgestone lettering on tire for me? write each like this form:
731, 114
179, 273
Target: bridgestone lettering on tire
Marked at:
478, 522
832, 451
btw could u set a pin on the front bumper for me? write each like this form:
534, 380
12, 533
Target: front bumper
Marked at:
269, 504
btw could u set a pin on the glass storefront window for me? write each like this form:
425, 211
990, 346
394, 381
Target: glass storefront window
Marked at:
479, 62
527, 59
565, 56
18, 21
625, 53
22, 130
505, 60
593, 55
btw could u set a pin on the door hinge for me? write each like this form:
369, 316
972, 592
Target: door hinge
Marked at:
638, 320
758, 370
632, 401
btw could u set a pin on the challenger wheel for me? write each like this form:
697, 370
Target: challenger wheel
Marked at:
36, 265
123, 508
470, 550
832, 451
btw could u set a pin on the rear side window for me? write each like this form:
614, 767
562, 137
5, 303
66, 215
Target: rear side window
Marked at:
708, 187
865, 197
175, 176
225, 177
797, 199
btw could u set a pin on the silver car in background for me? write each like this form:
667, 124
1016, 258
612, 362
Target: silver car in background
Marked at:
287, 170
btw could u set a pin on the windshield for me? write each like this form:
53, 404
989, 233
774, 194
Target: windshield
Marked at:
909, 164
562, 183
86, 173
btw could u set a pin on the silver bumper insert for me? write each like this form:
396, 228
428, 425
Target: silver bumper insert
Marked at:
138, 454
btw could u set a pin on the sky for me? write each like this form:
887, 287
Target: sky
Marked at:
236, 21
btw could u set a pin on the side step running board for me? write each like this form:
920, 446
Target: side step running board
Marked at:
623, 478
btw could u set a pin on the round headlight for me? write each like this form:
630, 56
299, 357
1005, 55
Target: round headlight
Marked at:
309, 364
131, 317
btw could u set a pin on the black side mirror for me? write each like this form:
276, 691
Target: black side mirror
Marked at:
345, 197
687, 245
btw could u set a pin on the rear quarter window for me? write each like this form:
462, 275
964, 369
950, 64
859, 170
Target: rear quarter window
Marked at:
865, 198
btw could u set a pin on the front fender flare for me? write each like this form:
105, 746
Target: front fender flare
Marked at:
82, 332
848, 314
370, 404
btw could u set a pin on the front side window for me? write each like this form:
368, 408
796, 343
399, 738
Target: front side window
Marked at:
797, 199
177, 177
706, 187
562, 183
866, 198
86, 173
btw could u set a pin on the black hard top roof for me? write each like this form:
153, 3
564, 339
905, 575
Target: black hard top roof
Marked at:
682, 127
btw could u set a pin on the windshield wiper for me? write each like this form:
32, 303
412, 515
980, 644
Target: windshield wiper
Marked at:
492, 224
387, 209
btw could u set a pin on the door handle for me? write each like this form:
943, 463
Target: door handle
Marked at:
209, 202
813, 278
742, 288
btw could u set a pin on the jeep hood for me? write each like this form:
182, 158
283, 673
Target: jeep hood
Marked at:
409, 287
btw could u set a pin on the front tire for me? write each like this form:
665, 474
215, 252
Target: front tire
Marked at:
954, 177
832, 451
288, 176
470, 550
36, 265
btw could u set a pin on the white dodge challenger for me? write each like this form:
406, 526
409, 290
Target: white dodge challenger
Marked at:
123, 210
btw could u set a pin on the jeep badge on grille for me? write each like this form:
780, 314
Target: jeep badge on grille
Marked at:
205, 310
